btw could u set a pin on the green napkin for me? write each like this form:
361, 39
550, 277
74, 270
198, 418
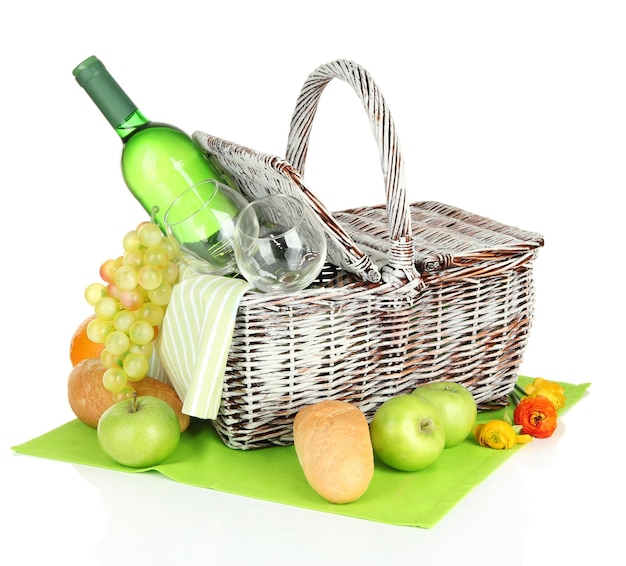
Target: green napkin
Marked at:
417, 499
196, 336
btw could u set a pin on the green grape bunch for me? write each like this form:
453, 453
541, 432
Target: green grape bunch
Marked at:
129, 305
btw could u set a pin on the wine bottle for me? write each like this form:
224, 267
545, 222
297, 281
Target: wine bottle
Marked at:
159, 161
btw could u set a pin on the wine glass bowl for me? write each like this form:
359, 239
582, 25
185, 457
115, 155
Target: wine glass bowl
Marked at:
279, 246
201, 222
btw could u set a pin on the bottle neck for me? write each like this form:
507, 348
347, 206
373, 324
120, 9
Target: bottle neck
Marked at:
129, 126
119, 110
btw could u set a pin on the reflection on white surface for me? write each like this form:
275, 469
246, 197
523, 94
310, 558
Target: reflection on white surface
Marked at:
142, 517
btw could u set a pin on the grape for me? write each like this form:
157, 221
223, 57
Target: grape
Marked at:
134, 258
117, 342
156, 255
98, 329
113, 290
170, 272
95, 292
141, 332
151, 313
132, 299
126, 277
108, 269
123, 319
106, 308
136, 367
109, 360
131, 241
171, 245
162, 294
130, 304
149, 234
149, 277
143, 349
114, 379
125, 393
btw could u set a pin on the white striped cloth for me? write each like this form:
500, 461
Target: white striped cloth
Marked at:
195, 338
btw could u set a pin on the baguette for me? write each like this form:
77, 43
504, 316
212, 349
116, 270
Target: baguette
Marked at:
332, 442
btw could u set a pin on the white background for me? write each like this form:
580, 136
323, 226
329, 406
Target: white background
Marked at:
515, 110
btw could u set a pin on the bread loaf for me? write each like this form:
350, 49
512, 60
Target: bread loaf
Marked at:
88, 397
333, 445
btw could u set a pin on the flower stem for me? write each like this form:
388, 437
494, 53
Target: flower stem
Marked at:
515, 397
520, 389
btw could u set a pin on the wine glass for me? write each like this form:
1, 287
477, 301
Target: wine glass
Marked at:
200, 222
279, 245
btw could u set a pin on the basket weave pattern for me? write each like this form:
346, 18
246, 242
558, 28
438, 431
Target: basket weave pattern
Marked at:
412, 293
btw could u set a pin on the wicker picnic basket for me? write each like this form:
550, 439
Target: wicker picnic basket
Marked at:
411, 293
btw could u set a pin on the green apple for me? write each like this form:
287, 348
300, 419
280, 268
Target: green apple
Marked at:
139, 432
455, 404
407, 432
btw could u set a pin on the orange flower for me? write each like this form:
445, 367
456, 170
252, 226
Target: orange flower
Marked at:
549, 389
536, 415
499, 435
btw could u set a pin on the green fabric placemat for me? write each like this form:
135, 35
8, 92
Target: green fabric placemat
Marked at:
418, 499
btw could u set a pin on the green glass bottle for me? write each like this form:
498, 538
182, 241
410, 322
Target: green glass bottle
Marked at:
159, 161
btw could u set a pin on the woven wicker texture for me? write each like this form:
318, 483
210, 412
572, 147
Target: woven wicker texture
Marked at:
412, 293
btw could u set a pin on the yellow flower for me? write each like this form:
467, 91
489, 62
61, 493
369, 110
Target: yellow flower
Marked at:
549, 389
499, 435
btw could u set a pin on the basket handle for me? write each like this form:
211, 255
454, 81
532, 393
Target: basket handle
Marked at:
401, 252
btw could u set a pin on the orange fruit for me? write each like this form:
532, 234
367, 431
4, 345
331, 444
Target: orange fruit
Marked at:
81, 347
